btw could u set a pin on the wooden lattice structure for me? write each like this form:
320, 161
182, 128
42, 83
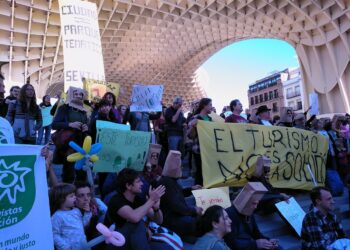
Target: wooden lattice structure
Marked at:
165, 41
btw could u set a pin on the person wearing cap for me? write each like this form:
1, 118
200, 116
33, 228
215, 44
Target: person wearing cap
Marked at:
175, 122
236, 108
245, 233
263, 115
178, 216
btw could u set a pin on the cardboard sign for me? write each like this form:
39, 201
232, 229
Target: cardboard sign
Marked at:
206, 198
46, 116
24, 203
82, 50
293, 213
229, 154
251, 191
146, 98
122, 149
97, 89
105, 124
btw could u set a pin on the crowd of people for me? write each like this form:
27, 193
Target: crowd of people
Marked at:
149, 207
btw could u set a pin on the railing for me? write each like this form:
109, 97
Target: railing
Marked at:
293, 94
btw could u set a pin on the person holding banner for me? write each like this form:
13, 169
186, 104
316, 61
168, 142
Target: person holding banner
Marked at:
24, 115
70, 122
214, 224
46, 104
263, 115
236, 108
202, 113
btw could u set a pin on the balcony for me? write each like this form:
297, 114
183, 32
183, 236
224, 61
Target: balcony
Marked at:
293, 94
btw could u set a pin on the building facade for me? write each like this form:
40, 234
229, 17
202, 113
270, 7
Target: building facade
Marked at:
293, 91
268, 91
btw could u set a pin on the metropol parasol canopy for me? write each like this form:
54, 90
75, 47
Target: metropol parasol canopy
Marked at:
165, 41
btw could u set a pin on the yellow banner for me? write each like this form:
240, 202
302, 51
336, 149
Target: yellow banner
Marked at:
229, 153
96, 89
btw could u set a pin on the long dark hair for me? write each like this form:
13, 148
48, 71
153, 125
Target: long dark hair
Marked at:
212, 214
58, 195
202, 103
33, 107
113, 97
43, 104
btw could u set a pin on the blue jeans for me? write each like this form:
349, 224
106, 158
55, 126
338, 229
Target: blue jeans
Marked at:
175, 142
47, 130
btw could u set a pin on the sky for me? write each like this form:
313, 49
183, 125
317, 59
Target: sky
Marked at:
227, 74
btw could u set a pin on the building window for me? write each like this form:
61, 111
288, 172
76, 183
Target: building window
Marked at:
256, 99
274, 107
297, 90
270, 95
251, 100
261, 98
266, 97
299, 105
276, 93
289, 92
291, 104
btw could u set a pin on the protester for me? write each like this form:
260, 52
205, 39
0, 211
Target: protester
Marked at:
272, 196
202, 113
245, 233
214, 224
47, 129
140, 121
263, 115
50, 173
286, 119
112, 100
71, 124
175, 122
122, 111
86, 202
3, 105
236, 108
67, 221
127, 210
321, 227
299, 121
159, 126
14, 93
24, 115
178, 216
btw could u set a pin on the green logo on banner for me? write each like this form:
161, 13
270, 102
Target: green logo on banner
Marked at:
3, 138
17, 188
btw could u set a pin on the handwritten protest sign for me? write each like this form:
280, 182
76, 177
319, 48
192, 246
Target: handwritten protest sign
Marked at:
24, 199
229, 153
47, 117
146, 98
122, 149
214, 196
97, 89
81, 39
293, 213
105, 124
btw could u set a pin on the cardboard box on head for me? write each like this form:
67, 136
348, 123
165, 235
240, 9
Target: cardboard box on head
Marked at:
262, 167
251, 192
172, 166
153, 154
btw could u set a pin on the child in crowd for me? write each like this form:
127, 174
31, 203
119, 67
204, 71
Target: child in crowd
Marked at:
67, 221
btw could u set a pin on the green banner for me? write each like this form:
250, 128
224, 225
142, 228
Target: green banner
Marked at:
122, 149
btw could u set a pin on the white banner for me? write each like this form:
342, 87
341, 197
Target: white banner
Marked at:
313, 100
24, 202
146, 98
81, 43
